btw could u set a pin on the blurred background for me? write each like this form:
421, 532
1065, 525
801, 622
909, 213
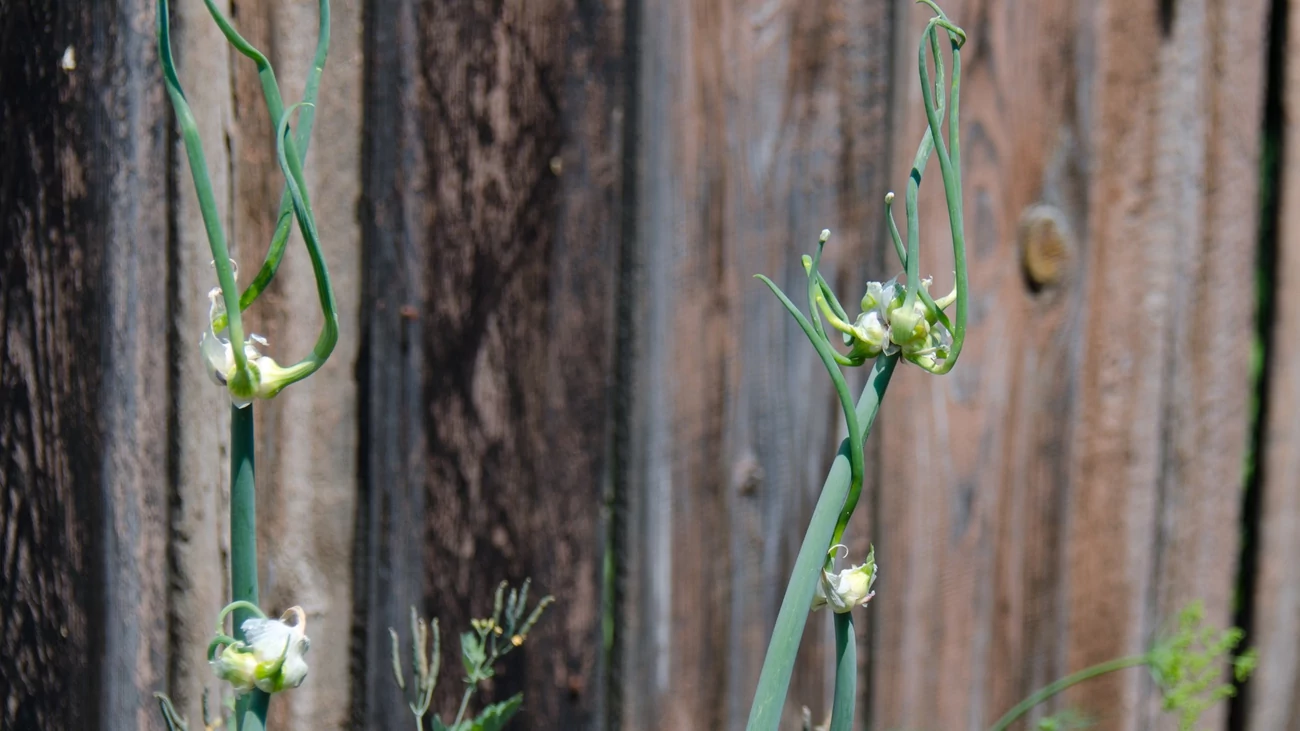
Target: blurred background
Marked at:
542, 219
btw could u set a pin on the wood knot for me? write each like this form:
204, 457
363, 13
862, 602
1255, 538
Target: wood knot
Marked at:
747, 475
1046, 246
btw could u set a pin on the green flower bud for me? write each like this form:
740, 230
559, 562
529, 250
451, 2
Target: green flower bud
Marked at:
262, 379
236, 666
910, 327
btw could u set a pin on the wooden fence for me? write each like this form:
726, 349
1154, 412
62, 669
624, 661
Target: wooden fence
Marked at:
542, 218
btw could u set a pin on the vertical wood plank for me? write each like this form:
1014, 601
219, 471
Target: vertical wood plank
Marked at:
389, 564
493, 168
84, 372
311, 432
1077, 479
1163, 420
520, 122
1221, 47
760, 124
973, 463
133, 406
199, 541
1273, 693
307, 436
51, 576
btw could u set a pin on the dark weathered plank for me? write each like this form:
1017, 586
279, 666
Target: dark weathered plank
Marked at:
1077, 479
760, 124
85, 371
1273, 695
389, 555
493, 166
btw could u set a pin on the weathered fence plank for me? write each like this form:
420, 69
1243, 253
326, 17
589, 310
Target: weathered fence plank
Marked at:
86, 387
974, 463
493, 160
389, 562
1273, 695
199, 542
1163, 420
307, 484
554, 362
307, 436
1084, 461
1212, 70
759, 125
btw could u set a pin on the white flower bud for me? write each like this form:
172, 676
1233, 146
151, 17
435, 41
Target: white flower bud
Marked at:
848, 588
872, 332
271, 657
219, 356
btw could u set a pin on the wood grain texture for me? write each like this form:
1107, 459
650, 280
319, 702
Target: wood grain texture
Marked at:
85, 382
1082, 466
1163, 420
974, 463
493, 166
542, 240
199, 542
52, 472
759, 125
389, 563
307, 436
1273, 696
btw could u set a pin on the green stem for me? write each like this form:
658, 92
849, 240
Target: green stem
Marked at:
291, 165
846, 673
1048, 691
250, 711
814, 287
829, 361
203, 188
950, 168
239, 604
902, 254
464, 703
818, 292
275, 108
778, 665
911, 262
881, 371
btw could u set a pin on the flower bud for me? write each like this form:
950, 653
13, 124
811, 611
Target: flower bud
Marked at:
272, 377
843, 590
882, 296
871, 333
271, 657
237, 667
219, 356
910, 327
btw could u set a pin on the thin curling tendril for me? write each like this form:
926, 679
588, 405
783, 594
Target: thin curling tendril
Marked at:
329, 333
275, 108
